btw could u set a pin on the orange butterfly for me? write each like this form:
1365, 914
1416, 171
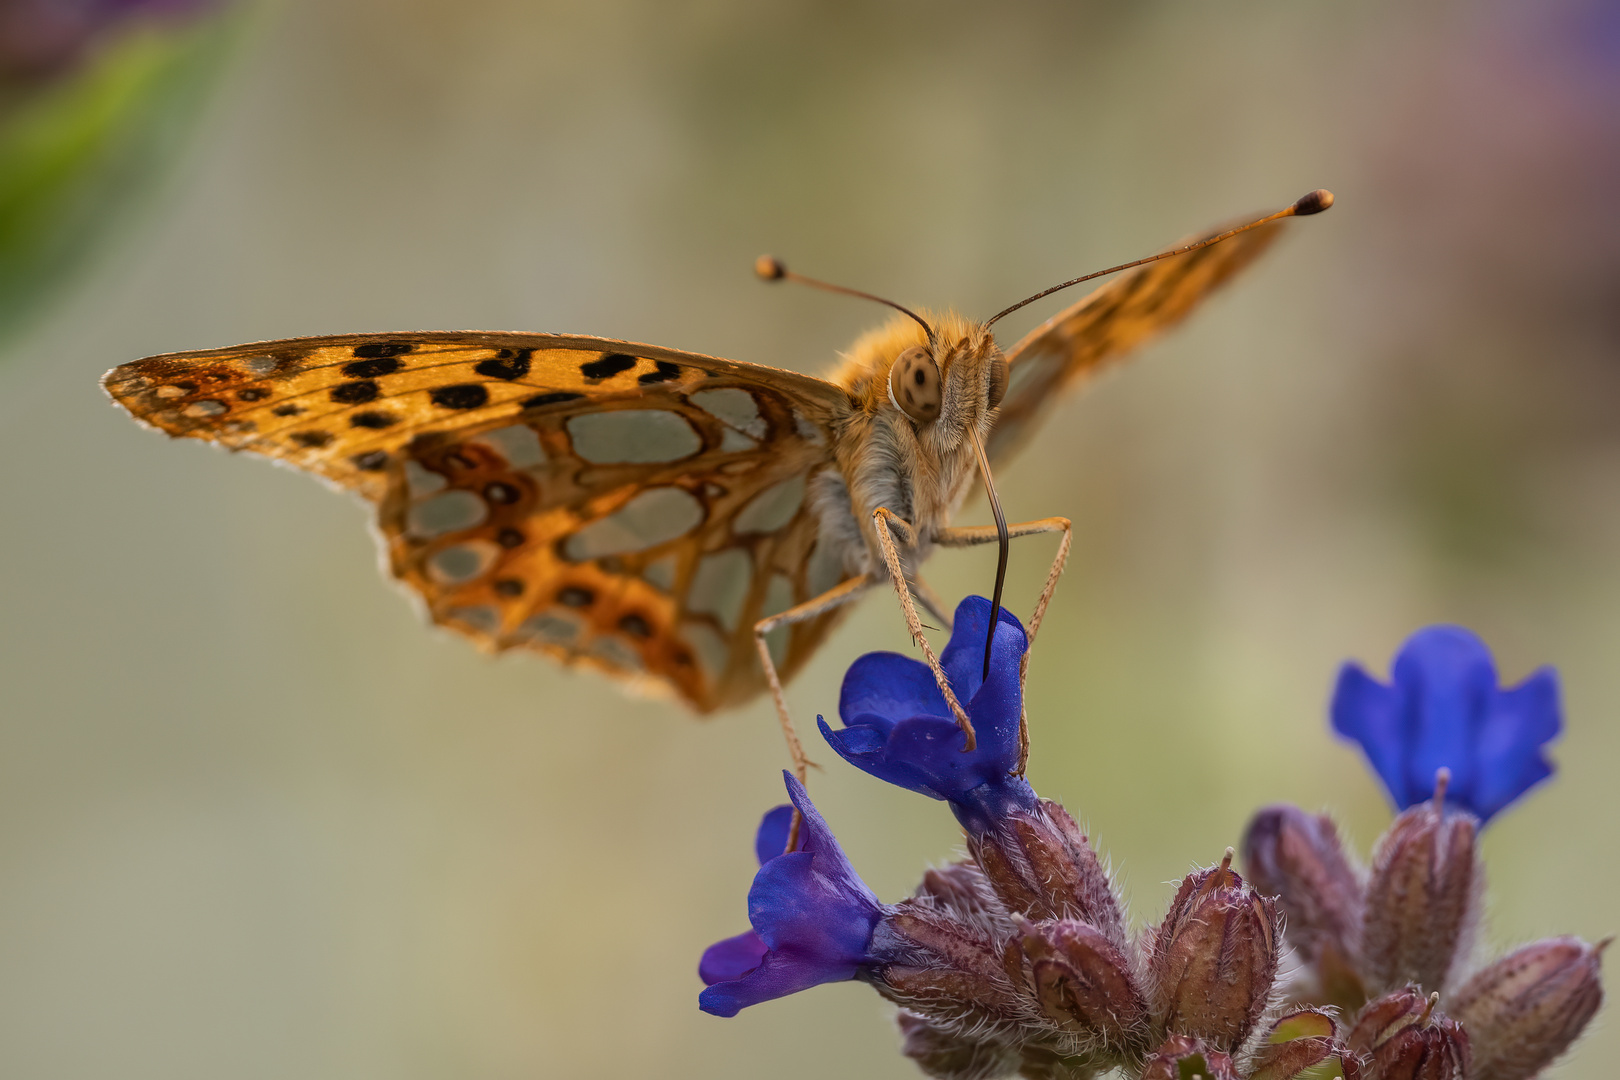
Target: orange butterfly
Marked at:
677, 520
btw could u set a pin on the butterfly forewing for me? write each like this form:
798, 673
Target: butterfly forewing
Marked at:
1108, 323
619, 505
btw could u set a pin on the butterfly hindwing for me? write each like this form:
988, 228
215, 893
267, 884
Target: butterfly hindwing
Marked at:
1109, 322
628, 507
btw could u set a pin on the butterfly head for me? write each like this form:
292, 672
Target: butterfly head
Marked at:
947, 383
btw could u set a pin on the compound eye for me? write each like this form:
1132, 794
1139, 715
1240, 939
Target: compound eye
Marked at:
998, 380
914, 385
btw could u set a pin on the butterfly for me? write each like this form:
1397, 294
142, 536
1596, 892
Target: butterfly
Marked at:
690, 524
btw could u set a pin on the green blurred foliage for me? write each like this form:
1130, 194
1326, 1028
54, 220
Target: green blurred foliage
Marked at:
79, 153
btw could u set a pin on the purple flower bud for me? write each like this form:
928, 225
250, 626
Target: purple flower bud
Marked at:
1300, 1041
946, 1057
1041, 1063
1084, 983
1214, 958
898, 728
1297, 858
1443, 709
1423, 898
1526, 1009
1183, 1057
1041, 865
813, 921
952, 971
1403, 1037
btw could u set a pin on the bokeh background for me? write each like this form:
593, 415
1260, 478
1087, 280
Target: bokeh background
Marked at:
257, 821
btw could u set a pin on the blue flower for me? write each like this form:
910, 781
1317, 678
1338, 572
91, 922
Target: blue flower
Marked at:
898, 728
813, 918
1445, 709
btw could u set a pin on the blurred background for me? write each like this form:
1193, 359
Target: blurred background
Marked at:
257, 821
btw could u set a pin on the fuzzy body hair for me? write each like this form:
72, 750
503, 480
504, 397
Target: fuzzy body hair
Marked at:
920, 472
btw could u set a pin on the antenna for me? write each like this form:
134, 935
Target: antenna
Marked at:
773, 269
1312, 202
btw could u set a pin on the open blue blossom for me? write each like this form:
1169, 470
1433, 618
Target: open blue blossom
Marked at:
1445, 709
898, 728
813, 918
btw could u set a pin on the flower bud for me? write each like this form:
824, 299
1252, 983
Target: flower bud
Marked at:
946, 1057
1183, 1057
962, 889
1039, 1063
1528, 1007
948, 970
1042, 866
1297, 858
1403, 1037
1303, 1041
1083, 982
1422, 898
1214, 958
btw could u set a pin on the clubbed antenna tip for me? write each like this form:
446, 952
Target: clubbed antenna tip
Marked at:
770, 267
1313, 202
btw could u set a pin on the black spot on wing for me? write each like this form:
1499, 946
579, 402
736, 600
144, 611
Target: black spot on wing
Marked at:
355, 393
666, 371
288, 409
549, 399
509, 538
371, 460
377, 349
509, 587
311, 439
635, 625
576, 596
372, 369
253, 393
373, 419
608, 365
509, 364
460, 396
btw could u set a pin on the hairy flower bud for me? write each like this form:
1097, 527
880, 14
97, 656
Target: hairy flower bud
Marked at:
1422, 898
1083, 982
944, 1056
962, 888
1297, 858
1042, 866
948, 970
1214, 958
1039, 1063
1527, 1008
1302, 1041
1403, 1037
1183, 1057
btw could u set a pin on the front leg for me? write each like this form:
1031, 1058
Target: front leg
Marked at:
974, 535
882, 521
834, 597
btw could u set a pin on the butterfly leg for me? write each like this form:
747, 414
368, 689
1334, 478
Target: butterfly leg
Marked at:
986, 534
883, 521
930, 600
835, 597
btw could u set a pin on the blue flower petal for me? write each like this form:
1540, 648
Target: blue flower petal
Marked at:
1445, 709
813, 919
772, 837
731, 959
899, 729
882, 688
